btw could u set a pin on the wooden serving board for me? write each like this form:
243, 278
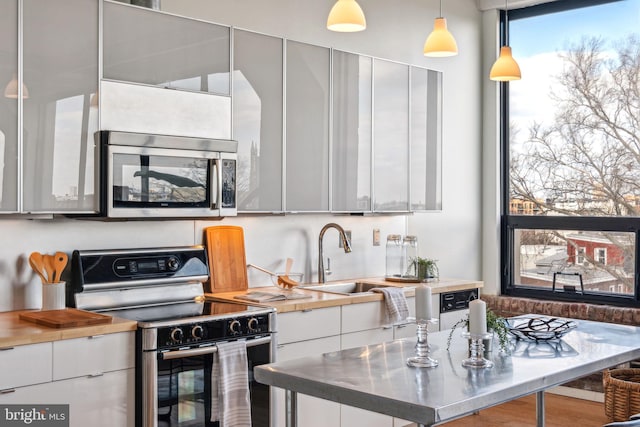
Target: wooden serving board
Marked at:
227, 259
65, 318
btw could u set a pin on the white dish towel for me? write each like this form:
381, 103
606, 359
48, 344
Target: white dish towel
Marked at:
230, 398
396, 304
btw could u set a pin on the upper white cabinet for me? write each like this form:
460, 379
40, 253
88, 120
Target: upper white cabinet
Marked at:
258, 120
351, 129
9, 106
390, 136
60, 57
426, 141
151, 47
307, 127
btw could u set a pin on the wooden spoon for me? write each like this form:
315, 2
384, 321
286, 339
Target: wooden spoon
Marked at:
59, 264
285, 281
47, 262
37, 264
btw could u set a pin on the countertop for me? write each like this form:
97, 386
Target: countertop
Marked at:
15, 331
325, 299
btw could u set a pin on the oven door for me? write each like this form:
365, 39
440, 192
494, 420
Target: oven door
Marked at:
176, 387
159, 182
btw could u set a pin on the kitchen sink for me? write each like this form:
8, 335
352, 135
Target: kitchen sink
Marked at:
345, 288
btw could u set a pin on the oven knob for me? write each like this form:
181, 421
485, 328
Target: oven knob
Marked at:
173, 263
235, 327
177, 335
197, 332
253, 324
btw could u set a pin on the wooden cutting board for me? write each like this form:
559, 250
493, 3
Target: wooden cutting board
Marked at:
227, 259
65, 318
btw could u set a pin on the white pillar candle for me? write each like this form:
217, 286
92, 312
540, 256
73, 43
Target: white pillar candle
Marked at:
477, 317
423, 302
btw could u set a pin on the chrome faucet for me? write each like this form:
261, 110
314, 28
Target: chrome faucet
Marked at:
345, 244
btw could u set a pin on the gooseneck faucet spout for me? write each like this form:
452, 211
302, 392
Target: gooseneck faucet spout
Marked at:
346, 244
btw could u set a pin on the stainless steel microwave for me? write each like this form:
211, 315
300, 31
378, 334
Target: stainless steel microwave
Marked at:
144, 176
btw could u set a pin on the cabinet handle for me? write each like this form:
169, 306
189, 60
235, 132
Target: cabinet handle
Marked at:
402, 325
99, 374
307, 310
6, 348
387, 327
95, 337
281, 346
8, 390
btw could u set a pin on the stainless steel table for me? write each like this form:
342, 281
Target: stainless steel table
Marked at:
376, 377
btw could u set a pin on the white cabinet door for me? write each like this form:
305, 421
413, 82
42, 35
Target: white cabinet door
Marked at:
25, 365
93, 355
363, 316
60, 54
9, 106
169, 51
426, 140
390, 136
307, 127
312, 412
308, 324
102, 401
352, 142
368, 337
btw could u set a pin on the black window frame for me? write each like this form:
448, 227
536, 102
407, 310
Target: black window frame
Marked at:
509, 224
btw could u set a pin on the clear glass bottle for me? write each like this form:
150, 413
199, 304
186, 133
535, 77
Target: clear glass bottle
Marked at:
410, 247
395, 256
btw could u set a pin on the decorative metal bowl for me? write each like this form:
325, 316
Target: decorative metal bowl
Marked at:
540, 328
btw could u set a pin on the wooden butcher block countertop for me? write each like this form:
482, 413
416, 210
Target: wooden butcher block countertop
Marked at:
325, 299
16, 331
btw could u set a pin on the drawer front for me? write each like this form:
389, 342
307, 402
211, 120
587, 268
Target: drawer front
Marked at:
306, 325
25, 365
93, 355
307, 348
360, 317
368, 337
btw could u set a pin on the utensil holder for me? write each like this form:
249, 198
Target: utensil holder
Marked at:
53, 296
422, 358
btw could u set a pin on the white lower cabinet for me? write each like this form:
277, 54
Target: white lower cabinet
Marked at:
308, 333
95, 376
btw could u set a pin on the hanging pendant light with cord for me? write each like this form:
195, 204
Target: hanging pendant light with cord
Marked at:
505, 68
346, 16
440, 42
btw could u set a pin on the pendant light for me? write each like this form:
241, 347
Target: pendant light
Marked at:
346, 16
440, 42
505, 68
11, 90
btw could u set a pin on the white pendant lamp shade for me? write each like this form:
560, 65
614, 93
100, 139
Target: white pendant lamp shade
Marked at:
505, 68
440, 42
346, 16
11, 90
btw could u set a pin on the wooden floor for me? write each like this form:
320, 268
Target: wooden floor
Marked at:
561, 411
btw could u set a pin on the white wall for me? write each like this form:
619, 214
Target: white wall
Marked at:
396, 31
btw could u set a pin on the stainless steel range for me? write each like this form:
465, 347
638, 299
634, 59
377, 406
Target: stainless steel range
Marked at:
178, 331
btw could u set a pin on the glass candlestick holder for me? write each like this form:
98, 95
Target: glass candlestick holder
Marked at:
476, 351
422, 358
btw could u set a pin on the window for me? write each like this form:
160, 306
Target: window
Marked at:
571, 171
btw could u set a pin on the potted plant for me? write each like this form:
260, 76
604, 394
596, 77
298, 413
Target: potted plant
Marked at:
495, 323
424, 268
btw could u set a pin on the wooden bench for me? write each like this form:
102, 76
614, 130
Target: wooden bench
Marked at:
507, 306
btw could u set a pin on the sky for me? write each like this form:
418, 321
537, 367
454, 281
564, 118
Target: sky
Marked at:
536, 42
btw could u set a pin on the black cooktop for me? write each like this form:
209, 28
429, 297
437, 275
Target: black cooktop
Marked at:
149, 316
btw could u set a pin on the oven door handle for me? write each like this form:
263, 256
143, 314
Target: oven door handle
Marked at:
208, 350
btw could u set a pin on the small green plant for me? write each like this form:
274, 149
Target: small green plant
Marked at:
495, 323
424, 268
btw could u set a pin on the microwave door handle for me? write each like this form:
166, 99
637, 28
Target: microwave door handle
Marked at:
216, 183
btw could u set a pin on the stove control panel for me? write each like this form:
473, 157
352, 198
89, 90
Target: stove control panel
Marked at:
210, 331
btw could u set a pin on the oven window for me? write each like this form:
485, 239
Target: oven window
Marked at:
184, 390
156, 181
